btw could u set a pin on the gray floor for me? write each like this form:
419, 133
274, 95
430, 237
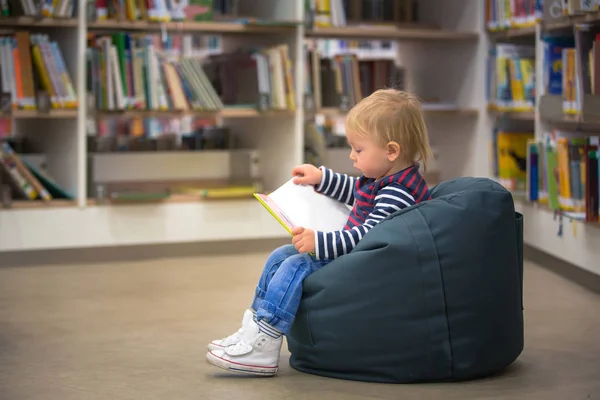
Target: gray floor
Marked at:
139, 330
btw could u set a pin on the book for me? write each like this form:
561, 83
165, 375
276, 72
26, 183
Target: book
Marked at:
295, 205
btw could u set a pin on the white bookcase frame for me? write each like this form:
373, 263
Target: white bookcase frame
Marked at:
448, 63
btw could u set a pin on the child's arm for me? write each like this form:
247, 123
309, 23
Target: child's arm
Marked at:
330, 245
337, 186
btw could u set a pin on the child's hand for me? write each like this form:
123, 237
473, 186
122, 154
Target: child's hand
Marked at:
307, 174
304, 239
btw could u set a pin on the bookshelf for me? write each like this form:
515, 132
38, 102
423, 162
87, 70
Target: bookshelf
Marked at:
555, 219
446, 35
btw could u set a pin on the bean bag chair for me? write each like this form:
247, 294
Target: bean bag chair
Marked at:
432, 293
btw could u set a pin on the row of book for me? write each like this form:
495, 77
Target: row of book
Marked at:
506, 14
563, 173
21, 83
559, 170
510, 81
44, 8
131, 72
162, 10
327, 13
570, 66
344, 80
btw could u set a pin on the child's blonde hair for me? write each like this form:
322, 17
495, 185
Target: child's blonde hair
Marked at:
393, 115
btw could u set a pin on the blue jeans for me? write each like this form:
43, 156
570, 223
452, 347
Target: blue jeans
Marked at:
279, 289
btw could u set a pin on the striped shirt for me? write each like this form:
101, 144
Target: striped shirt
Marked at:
372, 201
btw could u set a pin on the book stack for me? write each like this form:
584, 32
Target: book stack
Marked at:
30, 64
562, 173
511, 77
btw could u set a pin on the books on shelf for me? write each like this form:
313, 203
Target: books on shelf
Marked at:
507, 14
30, 64
137, 72
563, 173
300, 205
344, 80
157, 11
511, 77
570, 66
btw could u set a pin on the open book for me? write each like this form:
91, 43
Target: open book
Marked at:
300, 205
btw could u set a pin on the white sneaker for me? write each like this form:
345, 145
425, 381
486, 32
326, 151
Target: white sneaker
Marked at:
256, 353
232, 339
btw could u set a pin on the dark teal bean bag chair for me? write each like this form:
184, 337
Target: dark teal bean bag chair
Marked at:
433, 293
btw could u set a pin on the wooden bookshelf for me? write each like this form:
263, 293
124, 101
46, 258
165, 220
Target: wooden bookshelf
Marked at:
576, 240
515, 115
39, 205
391, 33
545, 208
277, 136
568, 21
221, 28
228, 112
30, 22
526, 32
50, 114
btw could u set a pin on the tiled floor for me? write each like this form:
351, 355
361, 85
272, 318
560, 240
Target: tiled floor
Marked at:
139, 331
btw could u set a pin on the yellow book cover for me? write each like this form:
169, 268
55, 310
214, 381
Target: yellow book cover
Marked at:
569, 88
503, 84
323, 17
300, 205
511, 148
516, 85
44, 76
565, 199
528, 79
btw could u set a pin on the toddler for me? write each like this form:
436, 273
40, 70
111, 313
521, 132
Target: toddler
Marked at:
388, 138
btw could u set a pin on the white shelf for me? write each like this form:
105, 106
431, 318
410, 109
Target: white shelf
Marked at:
578, 244
122, 225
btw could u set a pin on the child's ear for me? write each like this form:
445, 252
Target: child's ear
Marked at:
393, 150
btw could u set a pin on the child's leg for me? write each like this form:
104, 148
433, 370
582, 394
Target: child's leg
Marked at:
258, 350
282, 298
274, 261
272, 264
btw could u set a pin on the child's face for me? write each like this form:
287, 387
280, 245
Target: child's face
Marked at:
369, 157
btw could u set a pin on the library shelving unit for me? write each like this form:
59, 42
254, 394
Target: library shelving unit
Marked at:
441, 54
556, 231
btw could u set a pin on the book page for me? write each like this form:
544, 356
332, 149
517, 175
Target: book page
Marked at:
276, 211
305, 207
